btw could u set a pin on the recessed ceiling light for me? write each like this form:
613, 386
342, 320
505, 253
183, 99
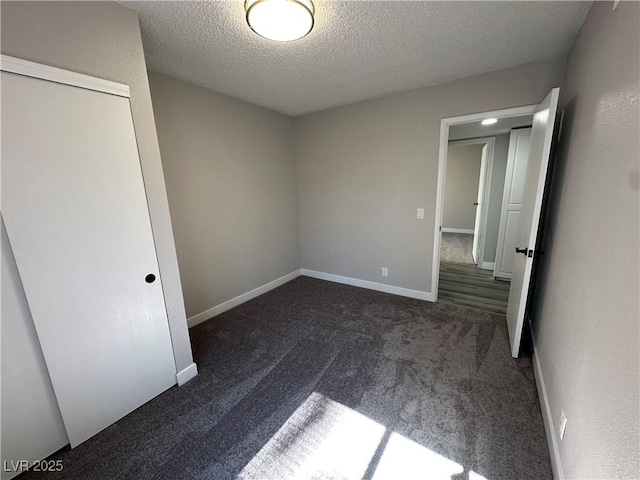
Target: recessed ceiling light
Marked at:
280, 20
489, 121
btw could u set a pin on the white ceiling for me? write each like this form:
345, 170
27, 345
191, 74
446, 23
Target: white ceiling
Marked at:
357, 49
476, 129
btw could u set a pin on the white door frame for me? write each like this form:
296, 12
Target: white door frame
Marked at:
490, 142
58, 75
445, 123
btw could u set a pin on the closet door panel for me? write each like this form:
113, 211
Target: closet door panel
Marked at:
76, 215
32, 427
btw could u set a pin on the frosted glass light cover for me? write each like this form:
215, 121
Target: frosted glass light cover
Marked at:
280, 20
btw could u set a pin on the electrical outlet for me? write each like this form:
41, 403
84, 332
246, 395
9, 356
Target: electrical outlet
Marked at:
420, 213
385, 272
563, 425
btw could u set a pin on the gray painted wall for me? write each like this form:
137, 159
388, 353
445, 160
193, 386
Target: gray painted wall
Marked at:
102, 39
461, 186
363, 169
586, 310
229, 168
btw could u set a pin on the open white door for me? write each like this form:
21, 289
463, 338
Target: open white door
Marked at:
477, 228
527, 232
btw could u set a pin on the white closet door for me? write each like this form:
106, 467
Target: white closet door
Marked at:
75, 211
519, 142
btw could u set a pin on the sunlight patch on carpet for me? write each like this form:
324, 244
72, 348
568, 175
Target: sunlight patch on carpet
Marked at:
406, 459
324, 439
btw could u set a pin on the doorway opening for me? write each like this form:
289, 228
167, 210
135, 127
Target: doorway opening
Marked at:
524, 190
482, 165
465, 208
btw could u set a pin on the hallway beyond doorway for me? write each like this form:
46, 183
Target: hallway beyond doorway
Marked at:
471, 287
457, 248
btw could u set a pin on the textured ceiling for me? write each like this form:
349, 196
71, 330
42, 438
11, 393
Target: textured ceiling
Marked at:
357, 49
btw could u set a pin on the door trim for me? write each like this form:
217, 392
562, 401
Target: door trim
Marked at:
58, 75
445, 123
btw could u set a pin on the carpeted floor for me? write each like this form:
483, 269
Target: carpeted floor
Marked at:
456, 248
321, 380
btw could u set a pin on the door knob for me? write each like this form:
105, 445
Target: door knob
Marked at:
150, 278
475, 203
522, 250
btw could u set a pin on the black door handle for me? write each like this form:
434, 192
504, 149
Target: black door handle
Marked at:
475, 203
522, 250
150, 278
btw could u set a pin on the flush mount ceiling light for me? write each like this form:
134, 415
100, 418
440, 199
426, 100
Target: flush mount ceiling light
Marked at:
489, 121
280, 20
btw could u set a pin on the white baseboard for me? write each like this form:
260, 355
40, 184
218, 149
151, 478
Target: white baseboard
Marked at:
186, 374
234, 302
457, 230
380, 287
488, 266
505, 277
245, 297
552, 440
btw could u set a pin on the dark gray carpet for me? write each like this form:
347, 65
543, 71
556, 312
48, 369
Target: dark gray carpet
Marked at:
321, 380
456, 248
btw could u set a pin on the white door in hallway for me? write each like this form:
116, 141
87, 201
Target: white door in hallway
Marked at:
517, 157
477, 227
76, 215
527, 232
